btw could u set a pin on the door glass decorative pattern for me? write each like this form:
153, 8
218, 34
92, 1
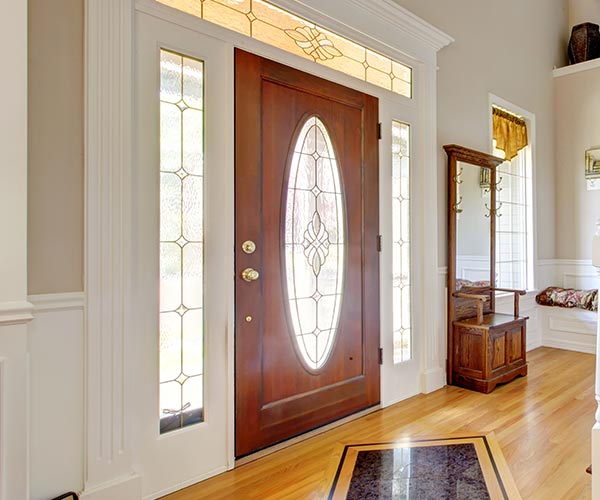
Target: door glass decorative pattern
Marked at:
181, 240
314, 243
401, 293
275, 26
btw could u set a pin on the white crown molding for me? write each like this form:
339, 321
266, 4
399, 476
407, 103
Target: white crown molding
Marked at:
404, 20
384, 12
57, 301
15, 312
355, 18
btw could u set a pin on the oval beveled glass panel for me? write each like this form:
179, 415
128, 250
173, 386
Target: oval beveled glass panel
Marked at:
314, 242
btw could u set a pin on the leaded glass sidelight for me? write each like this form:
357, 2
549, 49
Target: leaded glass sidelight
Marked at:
270, 24
401, 287
181, 240
314, 243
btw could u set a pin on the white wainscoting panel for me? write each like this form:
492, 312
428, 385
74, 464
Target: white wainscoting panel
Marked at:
571, 329
567, 274
56, 395
14, 411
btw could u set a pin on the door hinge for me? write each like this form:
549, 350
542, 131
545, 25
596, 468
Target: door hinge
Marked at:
379, 243
381, 355
379, 130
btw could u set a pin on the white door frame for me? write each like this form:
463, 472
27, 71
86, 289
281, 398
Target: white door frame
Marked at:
110, 470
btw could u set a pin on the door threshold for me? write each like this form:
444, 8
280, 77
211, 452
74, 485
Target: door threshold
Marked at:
303, 437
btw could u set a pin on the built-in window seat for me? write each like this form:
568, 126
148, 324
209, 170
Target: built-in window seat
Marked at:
568, 318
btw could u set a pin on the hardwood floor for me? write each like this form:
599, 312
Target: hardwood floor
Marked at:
542, 422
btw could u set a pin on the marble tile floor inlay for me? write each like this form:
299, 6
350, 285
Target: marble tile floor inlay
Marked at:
462, 468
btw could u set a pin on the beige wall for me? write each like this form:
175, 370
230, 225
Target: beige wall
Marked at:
577, 129
581, 11
508, 48
55, 177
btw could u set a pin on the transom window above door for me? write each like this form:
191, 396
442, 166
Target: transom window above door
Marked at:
267, 23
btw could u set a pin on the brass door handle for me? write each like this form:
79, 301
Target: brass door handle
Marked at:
250, 274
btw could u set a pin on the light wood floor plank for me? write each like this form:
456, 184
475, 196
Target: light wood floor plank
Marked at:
542, 423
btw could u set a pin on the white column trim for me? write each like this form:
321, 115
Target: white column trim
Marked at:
15, 311
434, 352
108, 133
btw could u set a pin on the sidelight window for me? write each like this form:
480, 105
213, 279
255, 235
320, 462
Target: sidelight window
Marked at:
401, 280
181, 240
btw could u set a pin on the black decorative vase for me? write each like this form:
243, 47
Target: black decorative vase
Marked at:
584, 44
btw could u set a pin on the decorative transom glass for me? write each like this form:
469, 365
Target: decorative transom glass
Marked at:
272, 25
181, 240
314, 243
401, 241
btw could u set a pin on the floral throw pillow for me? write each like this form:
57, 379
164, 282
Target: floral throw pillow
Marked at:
462, 283
568, 297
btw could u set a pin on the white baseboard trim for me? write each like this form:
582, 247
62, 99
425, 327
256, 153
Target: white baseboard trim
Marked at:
533, 343
123, 488
15, 312
569, 345
57, 301
432, 380
185, 484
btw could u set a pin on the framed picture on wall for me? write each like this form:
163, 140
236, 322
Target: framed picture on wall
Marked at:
592, 169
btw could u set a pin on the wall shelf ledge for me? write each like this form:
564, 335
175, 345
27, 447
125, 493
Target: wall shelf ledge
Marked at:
576, 68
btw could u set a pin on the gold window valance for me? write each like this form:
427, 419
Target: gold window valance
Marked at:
510, 132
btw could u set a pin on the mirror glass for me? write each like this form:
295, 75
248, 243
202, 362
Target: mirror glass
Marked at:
472, 227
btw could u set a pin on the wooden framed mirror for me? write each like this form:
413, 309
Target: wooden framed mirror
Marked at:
485, 347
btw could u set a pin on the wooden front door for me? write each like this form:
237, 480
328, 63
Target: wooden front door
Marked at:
307, 266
